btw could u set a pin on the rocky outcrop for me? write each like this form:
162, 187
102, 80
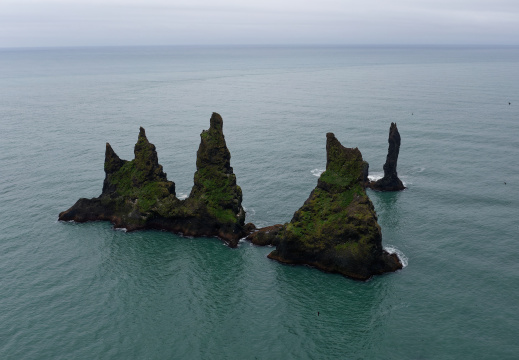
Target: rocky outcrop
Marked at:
336, 229
390, 181
270, 235
215, 199
137, 194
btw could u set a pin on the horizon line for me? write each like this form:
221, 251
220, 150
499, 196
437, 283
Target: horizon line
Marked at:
253, 46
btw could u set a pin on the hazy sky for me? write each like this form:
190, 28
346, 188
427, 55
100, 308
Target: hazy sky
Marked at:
170, 22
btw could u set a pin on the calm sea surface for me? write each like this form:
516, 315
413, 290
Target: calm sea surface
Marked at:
86, 291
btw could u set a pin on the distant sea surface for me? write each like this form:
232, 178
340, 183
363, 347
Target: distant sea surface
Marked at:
87, 291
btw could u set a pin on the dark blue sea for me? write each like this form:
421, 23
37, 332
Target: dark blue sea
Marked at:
87, 291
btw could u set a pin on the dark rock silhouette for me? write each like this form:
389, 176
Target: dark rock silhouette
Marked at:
390, 181
137, 195
336, 229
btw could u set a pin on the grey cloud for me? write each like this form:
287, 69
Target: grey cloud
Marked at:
136, 22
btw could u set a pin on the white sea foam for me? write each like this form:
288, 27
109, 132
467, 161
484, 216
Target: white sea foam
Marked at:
393, 250
121, 229
182, 196
375, 176
317, 172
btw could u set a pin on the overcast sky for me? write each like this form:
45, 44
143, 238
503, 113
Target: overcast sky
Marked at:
28, 23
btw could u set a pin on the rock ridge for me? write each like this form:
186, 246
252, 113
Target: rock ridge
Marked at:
137, 195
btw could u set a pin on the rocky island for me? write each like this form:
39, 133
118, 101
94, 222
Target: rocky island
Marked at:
390, 181
137, 194
336, 229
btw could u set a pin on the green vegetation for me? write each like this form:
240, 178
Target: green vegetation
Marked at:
337, 226
138, 190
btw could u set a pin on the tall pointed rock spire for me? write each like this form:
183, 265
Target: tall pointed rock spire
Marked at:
390, 181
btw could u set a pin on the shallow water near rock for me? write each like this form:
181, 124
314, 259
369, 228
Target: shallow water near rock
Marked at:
86, 291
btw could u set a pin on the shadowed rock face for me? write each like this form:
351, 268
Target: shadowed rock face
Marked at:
137, 195
390, 181
336, 229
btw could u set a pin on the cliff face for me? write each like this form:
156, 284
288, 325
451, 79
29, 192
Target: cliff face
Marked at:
390, 181
137, 194
336, 229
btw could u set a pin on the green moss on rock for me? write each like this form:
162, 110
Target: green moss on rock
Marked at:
336, 229
137, 194
214, 181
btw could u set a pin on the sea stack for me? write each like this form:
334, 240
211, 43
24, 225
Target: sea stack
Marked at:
134, 192
336, 229
215, 199
390, 181
137, 194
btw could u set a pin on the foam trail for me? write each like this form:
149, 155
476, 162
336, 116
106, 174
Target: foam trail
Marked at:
393, 250
121, 229
317, 172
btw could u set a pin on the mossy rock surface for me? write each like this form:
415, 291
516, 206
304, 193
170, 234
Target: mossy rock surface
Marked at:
137, 194
336, 229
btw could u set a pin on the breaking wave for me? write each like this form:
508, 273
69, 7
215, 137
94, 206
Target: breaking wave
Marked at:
393, 250
317, 172
375, 176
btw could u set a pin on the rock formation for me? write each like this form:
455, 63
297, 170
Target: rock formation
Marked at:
137, 195
269, 235
390, 181
336, 229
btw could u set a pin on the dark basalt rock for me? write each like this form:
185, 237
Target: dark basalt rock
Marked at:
336, 229
390, 181
270, 235
137, 195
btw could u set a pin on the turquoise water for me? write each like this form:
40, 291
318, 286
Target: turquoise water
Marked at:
83, 291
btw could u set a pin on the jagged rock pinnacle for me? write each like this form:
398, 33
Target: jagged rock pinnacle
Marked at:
112, 165
146, 160
137, 194
112, 162
336, 229
216, 122
390, 181
214, 180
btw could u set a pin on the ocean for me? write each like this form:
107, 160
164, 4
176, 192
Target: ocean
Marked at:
85, 291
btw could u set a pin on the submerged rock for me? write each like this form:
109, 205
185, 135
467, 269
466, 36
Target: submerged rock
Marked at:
336, 229
390, 181
137, 195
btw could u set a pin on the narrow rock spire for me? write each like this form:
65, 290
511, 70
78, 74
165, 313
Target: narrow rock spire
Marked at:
112, 162
146, 160
214, 180
390, 181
